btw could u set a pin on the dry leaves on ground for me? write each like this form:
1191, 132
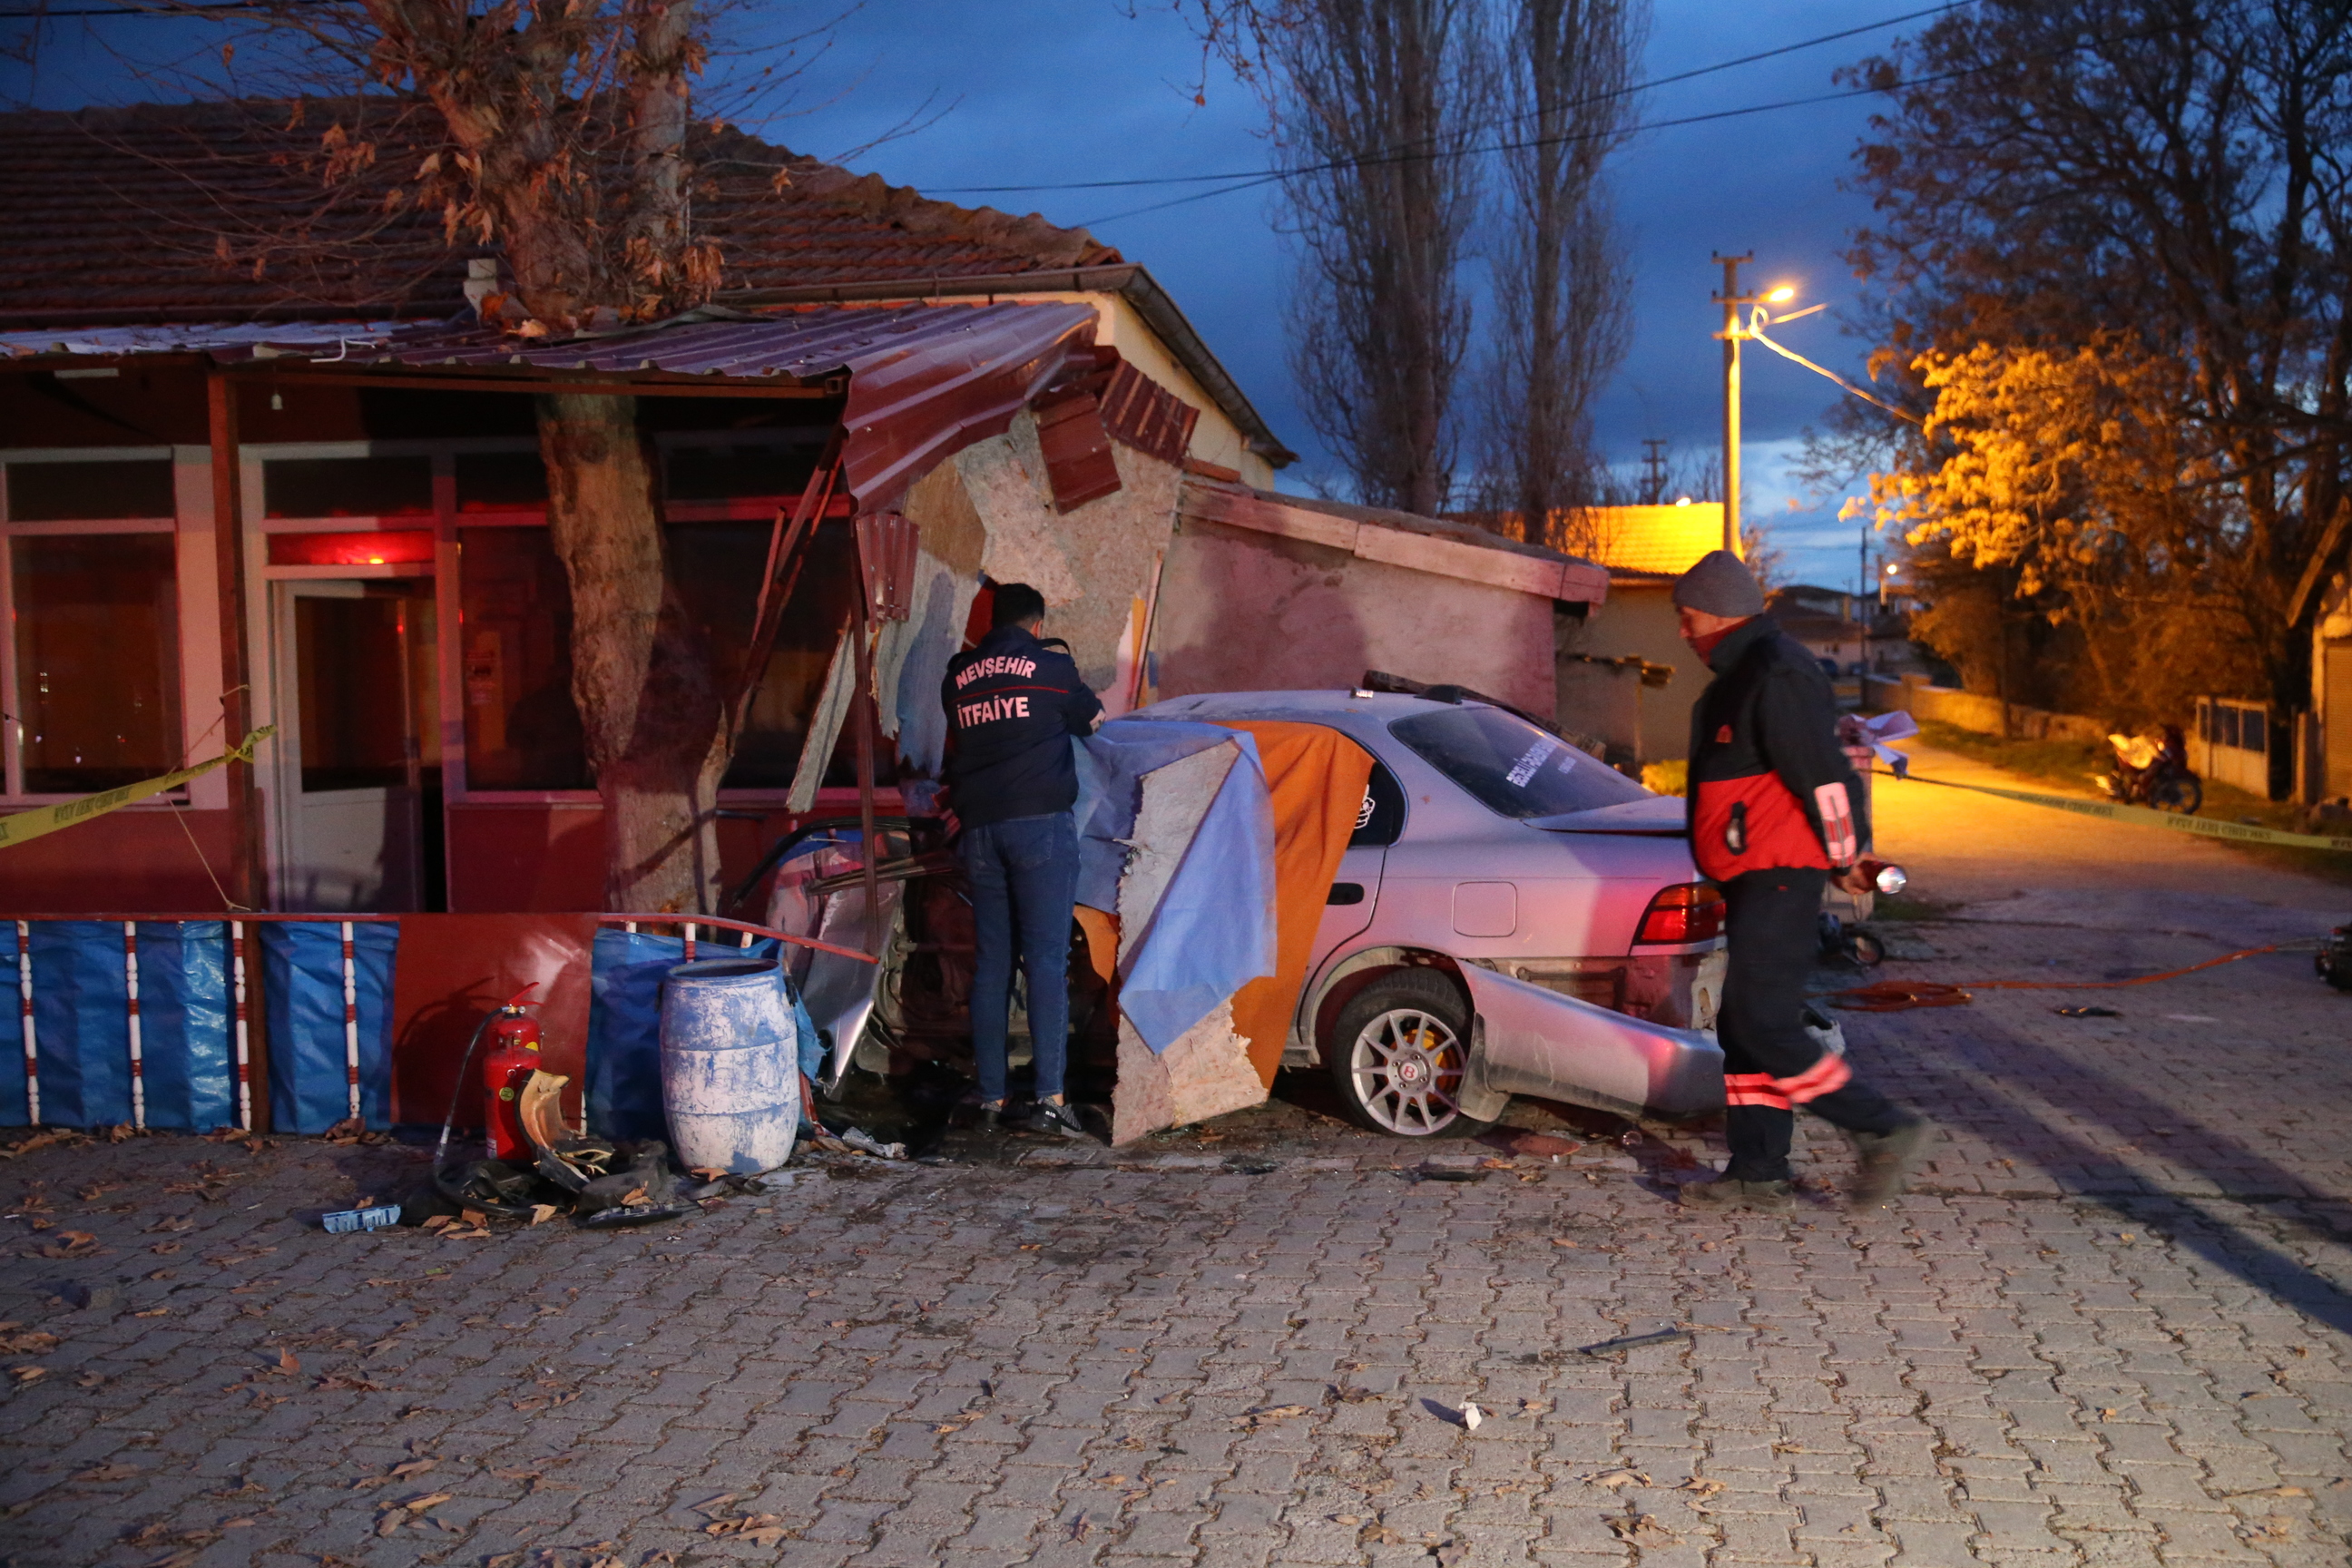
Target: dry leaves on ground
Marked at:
409, 1512
399, 1472
1700, 1488
1619, 1477
42, 1141
1268, 1416
108, 1473
28, 1373
336, 1380
69, 1244
165, 1249
17, 1340
352, 1131
1643, 1530
759, 1529
541, 1212
171, 1222
470, 1226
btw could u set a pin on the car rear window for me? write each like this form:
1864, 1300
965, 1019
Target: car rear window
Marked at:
1512, 766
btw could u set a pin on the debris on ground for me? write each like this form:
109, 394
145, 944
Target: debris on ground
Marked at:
1630, 1342
1643, 1530
1471, 1417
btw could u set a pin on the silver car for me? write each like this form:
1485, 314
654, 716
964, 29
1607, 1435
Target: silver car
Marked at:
1511, 916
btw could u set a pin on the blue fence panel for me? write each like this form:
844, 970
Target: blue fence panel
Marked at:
624, 1092
81, 1018
15, 1109
302, 984
185, 1012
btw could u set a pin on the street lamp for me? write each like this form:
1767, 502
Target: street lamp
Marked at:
1732, 299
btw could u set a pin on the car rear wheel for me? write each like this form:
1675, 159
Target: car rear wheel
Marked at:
1399, 1055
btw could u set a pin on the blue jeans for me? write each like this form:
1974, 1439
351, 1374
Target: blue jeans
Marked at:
1024, 880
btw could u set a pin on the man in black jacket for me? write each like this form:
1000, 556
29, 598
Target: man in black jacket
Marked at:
1012, 704
1774, 813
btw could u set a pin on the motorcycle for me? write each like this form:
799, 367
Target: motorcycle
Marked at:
2153, 771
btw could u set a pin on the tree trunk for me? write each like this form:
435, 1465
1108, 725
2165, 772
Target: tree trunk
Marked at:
641, 672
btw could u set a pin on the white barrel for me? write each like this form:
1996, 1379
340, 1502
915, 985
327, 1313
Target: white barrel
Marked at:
730, 1066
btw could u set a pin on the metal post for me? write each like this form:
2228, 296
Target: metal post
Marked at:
25, 1012
137, 1050
1732, 299
351, 1022
245, 879
862, 714
244, 1035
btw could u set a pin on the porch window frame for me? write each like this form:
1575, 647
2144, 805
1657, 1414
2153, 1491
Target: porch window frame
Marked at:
14, 796
445, 523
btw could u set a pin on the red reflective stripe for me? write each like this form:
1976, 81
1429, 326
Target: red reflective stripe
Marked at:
1826, 1076
1753, 1088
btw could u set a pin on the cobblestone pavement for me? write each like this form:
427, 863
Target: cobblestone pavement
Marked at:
2113, 1327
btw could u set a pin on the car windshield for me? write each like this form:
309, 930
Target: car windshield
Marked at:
1512, 766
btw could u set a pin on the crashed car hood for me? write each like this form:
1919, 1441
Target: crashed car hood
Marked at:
1661, 813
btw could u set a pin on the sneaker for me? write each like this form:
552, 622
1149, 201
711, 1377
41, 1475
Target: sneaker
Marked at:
987, 1119
1726, 1192
1046, 1117
1885, 1160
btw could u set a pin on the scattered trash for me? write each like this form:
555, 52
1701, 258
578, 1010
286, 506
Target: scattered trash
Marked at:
1471, 1417
2087, 1011
1630, 1342
1267, 1415
342, 1222
857, 1140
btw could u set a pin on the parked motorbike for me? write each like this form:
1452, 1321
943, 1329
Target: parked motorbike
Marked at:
2153, 771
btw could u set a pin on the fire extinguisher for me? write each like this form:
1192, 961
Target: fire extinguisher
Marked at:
514, 1057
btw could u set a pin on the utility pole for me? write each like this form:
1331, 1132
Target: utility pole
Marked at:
1654, 470
1731, 300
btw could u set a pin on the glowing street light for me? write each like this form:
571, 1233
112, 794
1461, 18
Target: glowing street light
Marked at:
1731, 300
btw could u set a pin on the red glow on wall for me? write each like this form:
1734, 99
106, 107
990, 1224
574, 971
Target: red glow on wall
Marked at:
395, 547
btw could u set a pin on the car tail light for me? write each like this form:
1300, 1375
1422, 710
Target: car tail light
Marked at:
1689, 911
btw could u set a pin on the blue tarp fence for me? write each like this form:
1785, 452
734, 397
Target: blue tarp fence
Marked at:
80, 1013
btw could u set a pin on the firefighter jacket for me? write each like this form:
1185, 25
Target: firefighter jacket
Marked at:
1013, 703
1769, 785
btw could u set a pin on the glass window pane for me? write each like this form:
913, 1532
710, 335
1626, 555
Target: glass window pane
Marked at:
521, 728
55, 492
98, 659
780, 715
347, 487
354, 700
746, 469
1510, 765
500, 481
373, 548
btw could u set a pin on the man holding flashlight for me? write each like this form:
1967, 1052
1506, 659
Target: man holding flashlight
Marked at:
1774, 812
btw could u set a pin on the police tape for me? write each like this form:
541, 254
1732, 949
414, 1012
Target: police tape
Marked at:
2114, 811
27, 825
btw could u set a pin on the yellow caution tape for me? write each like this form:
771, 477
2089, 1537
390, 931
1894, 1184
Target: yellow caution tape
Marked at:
2114, 811
43, 819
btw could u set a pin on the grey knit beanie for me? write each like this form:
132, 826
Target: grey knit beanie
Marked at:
1720, 584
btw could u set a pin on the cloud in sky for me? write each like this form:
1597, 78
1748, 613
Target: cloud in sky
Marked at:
1055, 90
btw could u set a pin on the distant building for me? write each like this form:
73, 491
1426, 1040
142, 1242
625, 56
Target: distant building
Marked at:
1600, 657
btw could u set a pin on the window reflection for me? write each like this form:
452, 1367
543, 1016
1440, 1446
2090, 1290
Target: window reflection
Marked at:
98, 659
521, 728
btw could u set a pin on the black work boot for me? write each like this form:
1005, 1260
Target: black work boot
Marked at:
1726, 1192
988, 1120
1884, 1161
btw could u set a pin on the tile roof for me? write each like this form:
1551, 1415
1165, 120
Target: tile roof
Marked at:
221, 211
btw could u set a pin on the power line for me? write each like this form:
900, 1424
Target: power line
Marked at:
1602, 98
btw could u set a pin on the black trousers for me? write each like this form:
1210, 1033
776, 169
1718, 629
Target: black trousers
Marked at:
1769, 1064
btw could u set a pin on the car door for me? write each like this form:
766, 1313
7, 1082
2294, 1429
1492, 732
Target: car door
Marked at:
1356, 888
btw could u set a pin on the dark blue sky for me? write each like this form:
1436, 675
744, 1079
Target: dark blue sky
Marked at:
1052, 90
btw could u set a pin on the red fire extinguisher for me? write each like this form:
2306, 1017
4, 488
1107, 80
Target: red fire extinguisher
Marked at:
514, 1057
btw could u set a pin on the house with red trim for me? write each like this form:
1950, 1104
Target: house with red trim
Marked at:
263, 462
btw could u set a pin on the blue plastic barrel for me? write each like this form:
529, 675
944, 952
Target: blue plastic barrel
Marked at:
729, 1066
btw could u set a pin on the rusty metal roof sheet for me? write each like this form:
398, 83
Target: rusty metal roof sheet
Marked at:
925, 380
